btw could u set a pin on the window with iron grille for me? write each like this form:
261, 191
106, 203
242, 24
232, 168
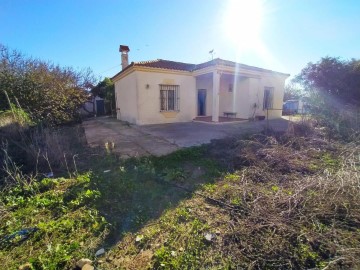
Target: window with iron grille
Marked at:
268, 98
169, 97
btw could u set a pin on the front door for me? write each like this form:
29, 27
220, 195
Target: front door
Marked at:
201, 102
100, 109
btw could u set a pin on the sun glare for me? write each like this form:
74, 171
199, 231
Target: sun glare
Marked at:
242, 24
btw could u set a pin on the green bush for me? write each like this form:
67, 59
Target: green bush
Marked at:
48, 93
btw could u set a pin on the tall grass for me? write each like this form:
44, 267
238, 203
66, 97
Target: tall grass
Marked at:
35, 148
337, 119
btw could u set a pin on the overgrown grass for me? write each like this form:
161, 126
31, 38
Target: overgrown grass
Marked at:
138, 190
70, 218
49, 223
40, 150
287, 202
14, 116
274, 201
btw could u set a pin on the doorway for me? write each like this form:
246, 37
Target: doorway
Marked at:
201, 102
100, 108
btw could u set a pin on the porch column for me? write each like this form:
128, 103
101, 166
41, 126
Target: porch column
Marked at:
234, 93
215, 96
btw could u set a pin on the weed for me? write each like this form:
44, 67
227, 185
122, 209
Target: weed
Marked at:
59, 223
187, 256
330, 161
210, 188
174, 175
232, 177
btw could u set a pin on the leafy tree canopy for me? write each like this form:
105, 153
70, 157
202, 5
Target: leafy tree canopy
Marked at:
106, 90
293, 91
103, 88
334, 78
48, 92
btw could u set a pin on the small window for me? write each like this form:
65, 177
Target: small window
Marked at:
169, 97
231, 88
268, 98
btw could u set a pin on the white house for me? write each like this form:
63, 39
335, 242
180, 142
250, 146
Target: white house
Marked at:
162, 91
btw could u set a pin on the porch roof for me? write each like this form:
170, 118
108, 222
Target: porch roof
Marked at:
180, 66
227, 63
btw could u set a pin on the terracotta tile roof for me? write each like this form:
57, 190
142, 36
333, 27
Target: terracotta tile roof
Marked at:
173, 65
166, 64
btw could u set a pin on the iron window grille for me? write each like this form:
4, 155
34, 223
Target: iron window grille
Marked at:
268, 98
169, 97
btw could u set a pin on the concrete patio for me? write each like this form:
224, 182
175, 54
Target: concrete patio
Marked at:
162, 139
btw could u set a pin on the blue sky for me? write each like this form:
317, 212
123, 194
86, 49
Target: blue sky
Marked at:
83, 34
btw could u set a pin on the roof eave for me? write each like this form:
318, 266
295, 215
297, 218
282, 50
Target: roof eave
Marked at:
237, 70
210, 66
129, 69
133, 68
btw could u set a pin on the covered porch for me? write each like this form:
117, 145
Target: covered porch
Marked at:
225, 94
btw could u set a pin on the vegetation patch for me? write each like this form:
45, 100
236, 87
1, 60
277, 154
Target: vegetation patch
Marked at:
287, 203
267, 201
49, 223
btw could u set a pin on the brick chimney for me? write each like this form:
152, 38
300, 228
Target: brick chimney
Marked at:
124, 55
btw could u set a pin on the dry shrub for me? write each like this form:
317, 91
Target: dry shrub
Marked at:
285, 160
307, 222
42, 150
305, 127
282, 152
54, 148
338, 121
296, 201
6, 118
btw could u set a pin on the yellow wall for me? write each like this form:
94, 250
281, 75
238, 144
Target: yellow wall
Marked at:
138, 96
126, 99
149, 98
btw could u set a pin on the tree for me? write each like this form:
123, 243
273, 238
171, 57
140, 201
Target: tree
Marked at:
47, 92
333, 78
106, 90
333, 86
292, 91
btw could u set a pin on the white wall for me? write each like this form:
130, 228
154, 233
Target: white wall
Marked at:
256, 95
226, 101
241, 95
140, 104
278, 82
126, 99
205, 82
149, 98
247, 91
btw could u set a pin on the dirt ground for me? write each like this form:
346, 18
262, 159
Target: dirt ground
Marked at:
133, 141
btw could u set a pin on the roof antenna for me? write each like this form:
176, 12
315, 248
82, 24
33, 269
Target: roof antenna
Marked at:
212, 54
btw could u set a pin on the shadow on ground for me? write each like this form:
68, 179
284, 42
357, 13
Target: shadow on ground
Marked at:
136, 191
